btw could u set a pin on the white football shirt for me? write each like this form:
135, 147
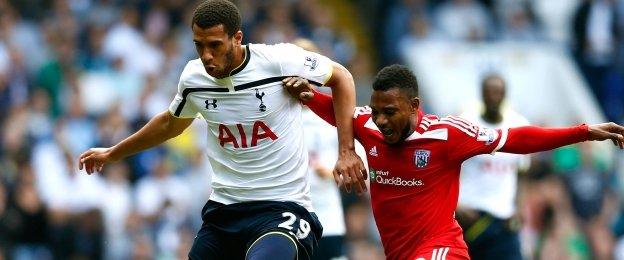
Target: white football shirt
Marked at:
489, 182
255, 135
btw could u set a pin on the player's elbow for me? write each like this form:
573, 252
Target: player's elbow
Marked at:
171, 126
346, 75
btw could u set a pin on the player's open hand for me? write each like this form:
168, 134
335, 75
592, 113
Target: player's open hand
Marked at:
94, 159
613, 131
350, 172
299, 87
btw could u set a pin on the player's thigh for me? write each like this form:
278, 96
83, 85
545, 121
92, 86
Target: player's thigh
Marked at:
288, 218
275, 245
443, 253
210, 244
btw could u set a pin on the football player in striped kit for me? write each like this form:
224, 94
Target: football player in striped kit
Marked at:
414, 160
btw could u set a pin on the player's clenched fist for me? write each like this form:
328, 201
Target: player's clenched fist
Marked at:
350, 172
94, 159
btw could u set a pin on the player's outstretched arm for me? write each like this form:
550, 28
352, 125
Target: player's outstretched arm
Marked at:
530, 139
160, 128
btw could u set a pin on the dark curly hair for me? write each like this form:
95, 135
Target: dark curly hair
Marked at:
215, 12
396, 76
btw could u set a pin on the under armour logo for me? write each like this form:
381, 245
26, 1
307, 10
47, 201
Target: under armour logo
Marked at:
213, 104
262, 107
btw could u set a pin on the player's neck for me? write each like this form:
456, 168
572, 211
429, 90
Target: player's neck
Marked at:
409, 130
239, 57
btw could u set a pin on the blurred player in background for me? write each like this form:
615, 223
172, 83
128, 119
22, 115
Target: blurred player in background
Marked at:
414, 160
260, 207
489, 182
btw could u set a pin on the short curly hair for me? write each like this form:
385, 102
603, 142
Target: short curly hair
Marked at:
215, 12
396, 76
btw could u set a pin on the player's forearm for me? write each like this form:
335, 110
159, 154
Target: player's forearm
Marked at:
530, 139
343, 92
158, 130
322, 105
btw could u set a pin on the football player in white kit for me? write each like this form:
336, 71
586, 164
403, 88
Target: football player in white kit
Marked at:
260, 207
487, 194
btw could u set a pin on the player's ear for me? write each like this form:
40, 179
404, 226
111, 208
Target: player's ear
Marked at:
415, 104
238, 37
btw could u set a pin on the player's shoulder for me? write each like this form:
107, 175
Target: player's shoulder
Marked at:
273, 50
193, 66
260, 49
364, 111
430, 122
273, 56
362, 116
454, 125
194, 75
430, 118
192, 69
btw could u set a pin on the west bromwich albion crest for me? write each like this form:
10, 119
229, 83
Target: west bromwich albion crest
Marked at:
421, 158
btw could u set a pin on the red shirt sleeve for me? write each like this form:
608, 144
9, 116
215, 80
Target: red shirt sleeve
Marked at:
467, 139
321, 104
530, 139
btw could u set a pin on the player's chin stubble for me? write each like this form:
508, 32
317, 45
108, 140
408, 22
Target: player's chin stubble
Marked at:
227, 65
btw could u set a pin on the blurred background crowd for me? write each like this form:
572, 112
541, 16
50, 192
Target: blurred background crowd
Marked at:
76, 74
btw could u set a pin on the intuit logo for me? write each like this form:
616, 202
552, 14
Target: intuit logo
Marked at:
383, 177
